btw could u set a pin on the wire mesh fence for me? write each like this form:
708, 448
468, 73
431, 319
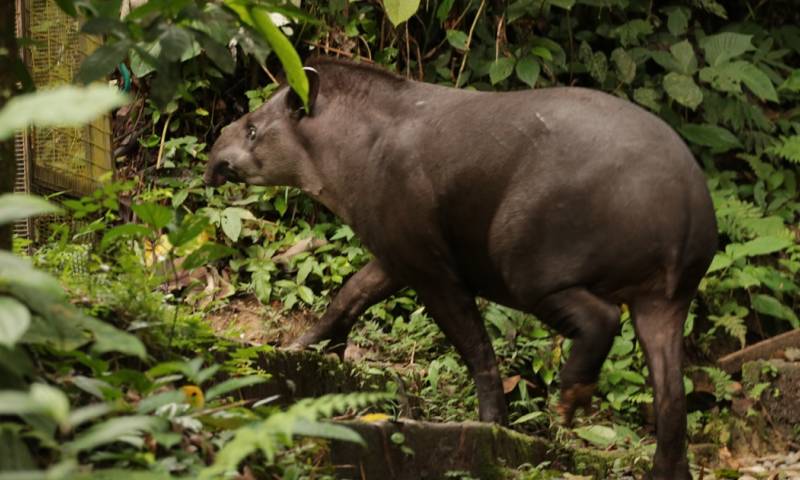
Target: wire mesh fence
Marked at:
70, 160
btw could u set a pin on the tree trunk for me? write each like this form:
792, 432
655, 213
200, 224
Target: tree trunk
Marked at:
8, 85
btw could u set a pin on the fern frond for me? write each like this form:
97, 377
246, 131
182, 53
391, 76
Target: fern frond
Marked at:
722, 382
734, 215
276, 431
788, 149
732, 325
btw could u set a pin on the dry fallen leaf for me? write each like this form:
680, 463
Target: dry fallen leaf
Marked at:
510, 383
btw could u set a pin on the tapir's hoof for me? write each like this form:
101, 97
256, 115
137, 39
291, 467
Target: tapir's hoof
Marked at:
576, 396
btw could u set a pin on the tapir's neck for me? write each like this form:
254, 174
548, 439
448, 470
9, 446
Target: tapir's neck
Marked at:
340, 141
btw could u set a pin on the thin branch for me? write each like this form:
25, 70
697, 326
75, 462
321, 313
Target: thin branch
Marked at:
269, 74
469, 41
161, 145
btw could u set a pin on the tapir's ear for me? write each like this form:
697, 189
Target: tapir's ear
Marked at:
293, 100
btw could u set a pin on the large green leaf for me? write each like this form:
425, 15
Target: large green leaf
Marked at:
286, 53
769, 305
88, 413
717, 138
102, 62
218, 53
758, 82
501, 69
144, 58
792, 83
630, 32
111, 430
153, 214
154, 402
666, 60
31, 286
684, 57
15, 455
41, 399
529, 417
121, 231
683, 89
108, 338
724, 46
626, 67
233, 384
189, 229
399, 11
720, 261
649, 97
175, 42
678, 20
598, 67
758, 246
62, 106
14, 321
231, 221
724, 77
728, 77
18, 206
528, 70
457, 39
331, 431
599, 435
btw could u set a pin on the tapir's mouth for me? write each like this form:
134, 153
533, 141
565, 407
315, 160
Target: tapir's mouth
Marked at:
220, 172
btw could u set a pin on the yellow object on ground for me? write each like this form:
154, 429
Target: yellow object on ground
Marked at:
194, 396
375, 417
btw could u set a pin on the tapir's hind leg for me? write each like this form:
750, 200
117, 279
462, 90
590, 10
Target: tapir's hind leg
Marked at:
591, 323
659, 327
368, 286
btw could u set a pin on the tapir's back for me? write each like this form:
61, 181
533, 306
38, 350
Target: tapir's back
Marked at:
551, 188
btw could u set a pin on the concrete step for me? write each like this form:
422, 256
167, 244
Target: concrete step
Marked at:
412, 450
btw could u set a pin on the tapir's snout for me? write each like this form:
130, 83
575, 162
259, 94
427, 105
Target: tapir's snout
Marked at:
218, 171
215, 172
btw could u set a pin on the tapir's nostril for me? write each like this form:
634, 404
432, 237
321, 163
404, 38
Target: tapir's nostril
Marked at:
217, 172
221, 167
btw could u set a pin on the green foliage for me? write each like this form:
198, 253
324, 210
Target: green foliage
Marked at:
292, 64
277, 430
57, 107
723, 79
788, 149
399, 11
16, 206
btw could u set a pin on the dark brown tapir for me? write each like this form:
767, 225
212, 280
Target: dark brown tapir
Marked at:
562, 202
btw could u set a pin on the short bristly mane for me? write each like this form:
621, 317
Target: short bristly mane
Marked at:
340, 74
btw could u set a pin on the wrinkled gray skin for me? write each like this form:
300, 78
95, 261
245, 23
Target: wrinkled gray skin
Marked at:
562, 202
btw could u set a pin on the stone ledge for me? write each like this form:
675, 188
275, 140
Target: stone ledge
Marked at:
782, 398
431, 450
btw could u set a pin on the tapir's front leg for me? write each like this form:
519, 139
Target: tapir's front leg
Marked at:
368, 286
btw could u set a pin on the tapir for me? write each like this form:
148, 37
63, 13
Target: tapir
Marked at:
563, 202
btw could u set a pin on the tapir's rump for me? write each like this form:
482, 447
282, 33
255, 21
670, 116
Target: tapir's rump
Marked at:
563, 202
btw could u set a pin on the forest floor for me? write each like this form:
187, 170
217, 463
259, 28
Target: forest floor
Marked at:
246, 320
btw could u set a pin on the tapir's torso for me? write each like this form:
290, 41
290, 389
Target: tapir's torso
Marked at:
523, 193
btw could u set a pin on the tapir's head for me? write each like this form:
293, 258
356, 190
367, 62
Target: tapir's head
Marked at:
263, 147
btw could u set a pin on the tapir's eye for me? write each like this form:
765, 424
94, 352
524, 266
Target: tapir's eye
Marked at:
251, 132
